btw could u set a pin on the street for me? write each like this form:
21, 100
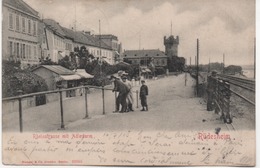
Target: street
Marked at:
172, 106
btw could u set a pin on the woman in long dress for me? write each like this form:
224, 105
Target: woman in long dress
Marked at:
129, 98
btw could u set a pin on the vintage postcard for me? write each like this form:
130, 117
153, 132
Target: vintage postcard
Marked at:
128, 82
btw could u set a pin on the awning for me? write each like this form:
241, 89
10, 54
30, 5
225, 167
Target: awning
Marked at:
83, 74
70, 77
146, 70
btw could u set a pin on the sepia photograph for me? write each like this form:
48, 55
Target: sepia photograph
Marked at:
128, 82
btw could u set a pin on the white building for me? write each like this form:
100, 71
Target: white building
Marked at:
20, 33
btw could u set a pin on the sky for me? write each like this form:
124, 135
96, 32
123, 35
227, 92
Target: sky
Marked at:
222, 27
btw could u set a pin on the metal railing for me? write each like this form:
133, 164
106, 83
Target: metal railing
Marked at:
62, 125
222, 99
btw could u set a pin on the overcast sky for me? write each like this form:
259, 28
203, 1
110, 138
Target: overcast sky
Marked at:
222, 26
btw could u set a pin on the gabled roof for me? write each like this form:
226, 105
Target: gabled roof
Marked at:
22, 6
143, 53
91, 40
68, 33
57, 69
54, 26
107, 36
83, 38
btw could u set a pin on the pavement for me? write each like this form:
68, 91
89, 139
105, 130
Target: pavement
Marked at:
172, 106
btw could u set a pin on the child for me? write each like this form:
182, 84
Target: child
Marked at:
143, 94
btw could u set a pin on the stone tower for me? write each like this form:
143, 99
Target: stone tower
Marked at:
171, 46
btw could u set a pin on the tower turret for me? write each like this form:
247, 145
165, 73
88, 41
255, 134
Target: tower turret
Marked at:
171, 46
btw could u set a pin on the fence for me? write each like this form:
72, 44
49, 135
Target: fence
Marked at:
222, 100
61, 112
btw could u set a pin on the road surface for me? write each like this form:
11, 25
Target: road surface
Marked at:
172, 106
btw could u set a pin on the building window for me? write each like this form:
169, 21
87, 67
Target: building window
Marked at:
17, 50
35, 52
23, 50
29, 26
163, 62
14, 54
10, 48
30, 53
11, 21
23, 25
17, 23
34, 28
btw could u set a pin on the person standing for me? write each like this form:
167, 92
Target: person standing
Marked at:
211, 87
123, 91
130, 94
143, 96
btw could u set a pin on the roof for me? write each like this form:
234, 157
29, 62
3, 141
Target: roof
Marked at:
83, 73
69, 77
107, 36
84, 38
122, 63
22, 6
68, 33
143, 53
57, 69
54, 26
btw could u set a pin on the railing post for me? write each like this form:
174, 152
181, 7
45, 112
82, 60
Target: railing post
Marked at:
61, 111
103, 99
86, 102
20, 111
115, 100
136, 98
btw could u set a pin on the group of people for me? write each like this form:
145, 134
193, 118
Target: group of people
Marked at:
125, 95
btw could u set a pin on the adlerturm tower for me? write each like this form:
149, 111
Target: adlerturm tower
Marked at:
171, 46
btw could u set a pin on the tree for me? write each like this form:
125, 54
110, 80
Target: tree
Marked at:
15, 79
233, 69
66, 63
176, 64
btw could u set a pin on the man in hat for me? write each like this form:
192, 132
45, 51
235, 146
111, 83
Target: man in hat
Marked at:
143, 94
211, 87
123, 90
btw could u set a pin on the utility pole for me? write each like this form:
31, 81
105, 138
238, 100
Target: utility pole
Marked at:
171, 27
223, 63
100, 56
209, 66
197, 82
254, 56
190, 61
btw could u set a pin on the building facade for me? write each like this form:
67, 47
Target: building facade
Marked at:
94, 45
112, 41
20, 33
145, 57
